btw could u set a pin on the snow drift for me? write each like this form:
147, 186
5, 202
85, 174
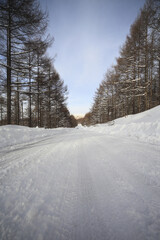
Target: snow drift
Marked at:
12, 134
143, 126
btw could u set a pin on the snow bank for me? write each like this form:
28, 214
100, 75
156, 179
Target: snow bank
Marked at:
143, 126
12, 134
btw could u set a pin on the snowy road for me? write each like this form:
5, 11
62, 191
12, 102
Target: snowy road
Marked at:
80, 185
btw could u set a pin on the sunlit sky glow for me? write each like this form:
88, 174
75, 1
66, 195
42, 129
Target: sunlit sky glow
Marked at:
88, 35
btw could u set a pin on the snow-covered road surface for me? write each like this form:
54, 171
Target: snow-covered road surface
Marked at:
80, 185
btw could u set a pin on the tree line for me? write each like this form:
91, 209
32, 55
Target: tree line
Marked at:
31, 90
132, 85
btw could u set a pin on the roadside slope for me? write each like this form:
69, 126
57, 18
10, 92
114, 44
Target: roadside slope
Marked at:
143, 126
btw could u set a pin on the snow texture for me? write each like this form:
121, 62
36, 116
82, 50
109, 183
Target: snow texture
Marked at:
144, 126
81, 184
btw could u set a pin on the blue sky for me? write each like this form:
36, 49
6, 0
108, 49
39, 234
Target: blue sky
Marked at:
88, 35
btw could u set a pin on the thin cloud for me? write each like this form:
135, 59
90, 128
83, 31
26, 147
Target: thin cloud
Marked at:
88, 35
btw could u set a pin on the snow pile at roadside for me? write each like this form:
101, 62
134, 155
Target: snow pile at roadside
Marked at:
143, 126
12, 134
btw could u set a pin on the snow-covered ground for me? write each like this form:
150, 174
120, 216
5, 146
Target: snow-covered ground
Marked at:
143, 126
11, 135
100, 183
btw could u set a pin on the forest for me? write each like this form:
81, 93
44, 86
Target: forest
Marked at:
132, 85
32, 92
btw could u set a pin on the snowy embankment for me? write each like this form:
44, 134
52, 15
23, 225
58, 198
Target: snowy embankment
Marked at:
144, 126
13, 135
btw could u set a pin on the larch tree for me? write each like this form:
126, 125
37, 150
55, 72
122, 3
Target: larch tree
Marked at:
133, 84
19, 22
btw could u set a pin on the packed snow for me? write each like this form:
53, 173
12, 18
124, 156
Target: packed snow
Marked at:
100, 182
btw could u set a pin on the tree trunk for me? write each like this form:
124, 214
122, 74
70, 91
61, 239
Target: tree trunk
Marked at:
17, 103
9, 67
38, 97
159, 81
30, 97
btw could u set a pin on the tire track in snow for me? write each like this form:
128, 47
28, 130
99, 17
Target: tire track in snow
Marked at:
21, 157
128, 184
47, 203
74, 188
90, 224
30, 192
